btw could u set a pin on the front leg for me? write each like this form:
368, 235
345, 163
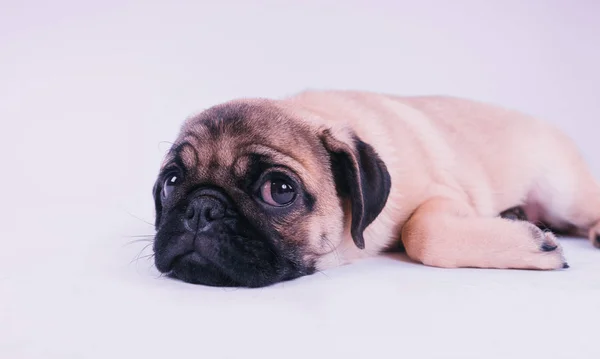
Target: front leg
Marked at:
448, 233
515, 214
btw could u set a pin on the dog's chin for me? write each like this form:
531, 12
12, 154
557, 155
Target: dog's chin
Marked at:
192, 268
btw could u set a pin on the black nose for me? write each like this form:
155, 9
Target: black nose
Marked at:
202, 211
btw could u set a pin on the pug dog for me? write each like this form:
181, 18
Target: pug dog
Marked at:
259, 191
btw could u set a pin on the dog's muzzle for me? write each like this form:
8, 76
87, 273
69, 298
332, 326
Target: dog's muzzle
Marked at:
207, 241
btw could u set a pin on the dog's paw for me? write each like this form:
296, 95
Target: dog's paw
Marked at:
595, 235
514, 214
548, 253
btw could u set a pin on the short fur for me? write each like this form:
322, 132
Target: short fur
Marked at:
458, 182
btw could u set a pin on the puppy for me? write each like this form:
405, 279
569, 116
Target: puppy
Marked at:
259, 191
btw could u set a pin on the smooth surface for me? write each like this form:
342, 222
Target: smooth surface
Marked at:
89, 92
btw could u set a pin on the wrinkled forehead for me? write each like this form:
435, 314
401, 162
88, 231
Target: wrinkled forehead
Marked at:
223, 140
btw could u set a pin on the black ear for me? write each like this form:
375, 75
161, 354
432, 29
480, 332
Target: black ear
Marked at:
361, 176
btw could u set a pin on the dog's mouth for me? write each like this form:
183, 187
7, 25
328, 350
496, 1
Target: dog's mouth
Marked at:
224, 257
176, 261
191, 267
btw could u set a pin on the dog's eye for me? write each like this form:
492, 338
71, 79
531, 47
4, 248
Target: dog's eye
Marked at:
277, 192
169, 184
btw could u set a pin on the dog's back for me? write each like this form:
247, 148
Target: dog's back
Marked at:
485, 155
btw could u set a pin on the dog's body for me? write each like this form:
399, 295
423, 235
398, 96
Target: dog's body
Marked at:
483, 158
433, 172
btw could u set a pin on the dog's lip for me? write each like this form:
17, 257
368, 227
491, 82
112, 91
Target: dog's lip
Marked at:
177, 273
177, 259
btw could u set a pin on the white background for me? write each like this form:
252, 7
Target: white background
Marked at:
88, 90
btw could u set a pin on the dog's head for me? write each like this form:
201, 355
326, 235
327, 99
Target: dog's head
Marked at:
250, 195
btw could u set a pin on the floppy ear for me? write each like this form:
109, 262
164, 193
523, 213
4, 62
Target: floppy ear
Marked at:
361, 176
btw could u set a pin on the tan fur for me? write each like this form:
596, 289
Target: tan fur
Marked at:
455, 165
285, 141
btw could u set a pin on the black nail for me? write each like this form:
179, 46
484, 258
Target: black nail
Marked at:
598, 238
565, 265
547, 247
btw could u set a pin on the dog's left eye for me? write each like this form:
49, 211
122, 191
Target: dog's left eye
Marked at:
169, 185
277, 192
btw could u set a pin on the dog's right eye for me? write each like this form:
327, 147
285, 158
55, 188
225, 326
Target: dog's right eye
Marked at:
169, 185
